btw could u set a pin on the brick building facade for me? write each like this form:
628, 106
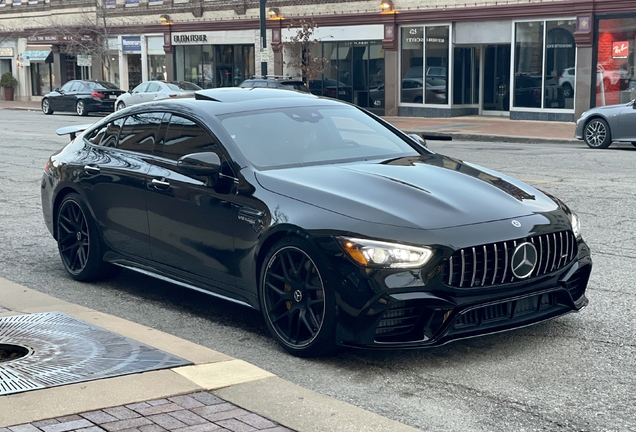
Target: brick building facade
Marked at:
541, 60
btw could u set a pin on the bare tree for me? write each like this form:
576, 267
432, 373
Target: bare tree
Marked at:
88, 35
299, 49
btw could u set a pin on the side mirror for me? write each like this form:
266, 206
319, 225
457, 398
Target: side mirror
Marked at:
200, 164
418, 139
130, 91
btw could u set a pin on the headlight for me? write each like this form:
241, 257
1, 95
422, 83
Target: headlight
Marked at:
382, 254
576, 225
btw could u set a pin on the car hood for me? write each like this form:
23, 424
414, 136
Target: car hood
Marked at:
426, 192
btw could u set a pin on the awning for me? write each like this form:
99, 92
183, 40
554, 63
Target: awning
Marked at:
37, 56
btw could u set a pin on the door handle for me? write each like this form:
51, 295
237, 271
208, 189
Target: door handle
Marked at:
91, 169
160, 184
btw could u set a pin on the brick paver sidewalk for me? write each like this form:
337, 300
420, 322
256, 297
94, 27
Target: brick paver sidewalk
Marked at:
197, 412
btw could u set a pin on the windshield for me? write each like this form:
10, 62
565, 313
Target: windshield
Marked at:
183, 85
312, 135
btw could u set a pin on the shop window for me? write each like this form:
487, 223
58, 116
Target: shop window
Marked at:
436, 77
560, 57
412, 64
615, 66
528, 64
157, 67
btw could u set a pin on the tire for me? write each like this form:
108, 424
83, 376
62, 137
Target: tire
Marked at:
46, 107
296, 300
597, 134
120, 106
567, 90
80, 108
78, 241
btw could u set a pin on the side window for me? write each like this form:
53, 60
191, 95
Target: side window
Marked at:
153, 88
141, 88
67, 87
76, 86
260, 84
185, 137
139, 132
106, 135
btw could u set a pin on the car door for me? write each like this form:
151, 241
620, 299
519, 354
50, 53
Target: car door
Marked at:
115, 180
56, 102
137, 94
151, 92
70, 97
192, 219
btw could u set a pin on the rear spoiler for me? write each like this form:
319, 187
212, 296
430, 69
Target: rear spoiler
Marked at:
73, 130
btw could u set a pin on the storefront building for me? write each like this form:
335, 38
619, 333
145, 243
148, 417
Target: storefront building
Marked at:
134, 59
7, 60
213, 59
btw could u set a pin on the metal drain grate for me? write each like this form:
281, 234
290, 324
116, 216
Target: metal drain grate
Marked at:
66, 350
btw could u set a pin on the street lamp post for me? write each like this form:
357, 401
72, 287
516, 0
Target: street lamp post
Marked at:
264, 50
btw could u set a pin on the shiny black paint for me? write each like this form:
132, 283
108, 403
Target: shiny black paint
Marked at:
66, 101
212, 233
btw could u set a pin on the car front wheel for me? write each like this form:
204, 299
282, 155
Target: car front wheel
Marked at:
46, 107
80, 107
597, 134
296, 301
78, 240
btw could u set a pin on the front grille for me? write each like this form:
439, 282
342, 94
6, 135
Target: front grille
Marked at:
489, 264
506, 311
399, 319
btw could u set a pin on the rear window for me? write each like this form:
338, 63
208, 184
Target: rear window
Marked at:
97, 85
296, 86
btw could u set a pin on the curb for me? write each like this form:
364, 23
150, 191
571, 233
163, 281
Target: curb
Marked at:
233, 380
493, 138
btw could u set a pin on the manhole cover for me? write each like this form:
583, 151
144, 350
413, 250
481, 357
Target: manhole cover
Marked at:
63, 350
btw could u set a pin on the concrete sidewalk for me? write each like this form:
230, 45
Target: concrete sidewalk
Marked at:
469, 128
215, 393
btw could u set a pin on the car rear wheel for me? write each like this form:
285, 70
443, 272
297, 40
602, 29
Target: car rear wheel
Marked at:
298, 306
80, 107
567, 90
597, 134
121, 106
46, 107
78, 240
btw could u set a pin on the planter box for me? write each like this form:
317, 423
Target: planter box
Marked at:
8, 93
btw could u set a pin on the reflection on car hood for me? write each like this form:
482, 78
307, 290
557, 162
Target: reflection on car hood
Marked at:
427, 191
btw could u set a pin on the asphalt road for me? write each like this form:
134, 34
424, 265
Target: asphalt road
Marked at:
576, 373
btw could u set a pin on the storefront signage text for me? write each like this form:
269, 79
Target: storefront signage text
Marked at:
6, 52
563, 45
620, 49
190, 38
131, 44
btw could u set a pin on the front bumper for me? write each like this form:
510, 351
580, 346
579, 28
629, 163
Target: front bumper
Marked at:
424, 311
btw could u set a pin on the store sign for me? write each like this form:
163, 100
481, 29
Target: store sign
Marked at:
6, 52
620, 49
131, 44
84, 60
435, 40
185, 39
559, 45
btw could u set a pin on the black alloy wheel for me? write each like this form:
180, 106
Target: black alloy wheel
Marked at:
80, 107
298, 308
597, 134
78, 241
46, 107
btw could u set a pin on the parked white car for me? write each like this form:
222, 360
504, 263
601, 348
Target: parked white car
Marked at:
156, 90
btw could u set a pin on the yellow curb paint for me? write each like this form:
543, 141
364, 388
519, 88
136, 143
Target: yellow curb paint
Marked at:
223, 374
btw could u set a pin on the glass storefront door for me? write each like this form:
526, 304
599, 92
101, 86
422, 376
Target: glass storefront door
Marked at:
496, 84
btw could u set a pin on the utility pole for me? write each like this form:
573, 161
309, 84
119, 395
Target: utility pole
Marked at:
264, 49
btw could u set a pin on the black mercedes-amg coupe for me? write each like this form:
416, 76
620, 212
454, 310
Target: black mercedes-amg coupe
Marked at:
340, 228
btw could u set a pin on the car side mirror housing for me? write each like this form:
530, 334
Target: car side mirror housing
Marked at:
200, 164
57, 89
418, 139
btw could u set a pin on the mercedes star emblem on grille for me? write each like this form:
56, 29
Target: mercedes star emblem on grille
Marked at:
524, 260
516, 223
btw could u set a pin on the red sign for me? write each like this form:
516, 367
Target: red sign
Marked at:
620, 49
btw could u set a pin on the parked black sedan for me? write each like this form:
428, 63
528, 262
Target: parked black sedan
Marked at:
82, 97
341, 229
